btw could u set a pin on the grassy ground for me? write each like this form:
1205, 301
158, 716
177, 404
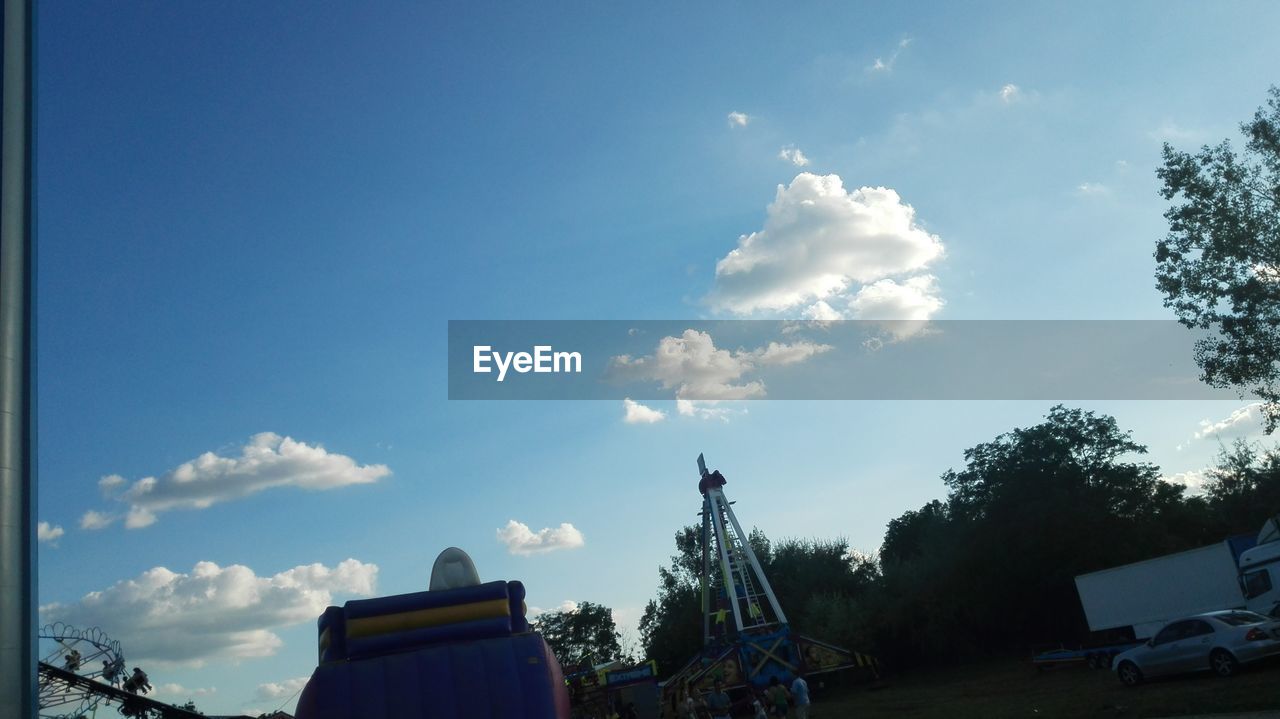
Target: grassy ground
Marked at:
1015, 689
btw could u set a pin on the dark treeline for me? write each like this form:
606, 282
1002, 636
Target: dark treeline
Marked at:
990, 569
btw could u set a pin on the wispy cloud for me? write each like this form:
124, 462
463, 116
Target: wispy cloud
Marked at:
794, 155
1170, 131
267, 461
211, 612
1010, 93
176, 692
519, 539
883, 64
739, 119
1092, 189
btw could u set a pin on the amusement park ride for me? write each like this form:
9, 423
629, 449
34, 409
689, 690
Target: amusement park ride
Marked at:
746, 638
83, 670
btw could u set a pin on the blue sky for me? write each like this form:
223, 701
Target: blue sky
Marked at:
258, 218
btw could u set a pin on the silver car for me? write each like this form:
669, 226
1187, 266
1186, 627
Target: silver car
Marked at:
1215, 641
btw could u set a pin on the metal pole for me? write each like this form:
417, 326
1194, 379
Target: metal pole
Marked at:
755, 564
706, 571
731, 591
18, 699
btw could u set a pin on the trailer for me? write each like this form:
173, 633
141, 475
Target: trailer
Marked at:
1148, 594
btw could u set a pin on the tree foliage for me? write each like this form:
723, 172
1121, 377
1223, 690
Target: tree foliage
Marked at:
585, 635
1219, 266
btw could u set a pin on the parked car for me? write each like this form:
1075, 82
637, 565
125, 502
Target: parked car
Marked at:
1216, 641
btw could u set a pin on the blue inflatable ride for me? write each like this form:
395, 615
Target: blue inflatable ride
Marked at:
462, 650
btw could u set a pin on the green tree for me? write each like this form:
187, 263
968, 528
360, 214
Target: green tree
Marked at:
671, 626
1244, 488
1219, 266
586, 634
993, 567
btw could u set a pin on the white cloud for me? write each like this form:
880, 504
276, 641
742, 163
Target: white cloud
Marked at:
903, 309
637, 413
280, 691
792, 154
777, 353
1009, 93
820, 311
522, 540
268, 460
1242, 422
1193, 479
819, 239
914, 299
695, 368
1169, 131
883, 65
46, 532
212, 612
177, 692
739, 119
92, 520
568, 606
1092, 188
111, 484
702, 409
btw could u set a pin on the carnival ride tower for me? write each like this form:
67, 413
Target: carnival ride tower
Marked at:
733, 583
747, 641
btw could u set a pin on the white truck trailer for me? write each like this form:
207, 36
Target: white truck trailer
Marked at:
1148, 594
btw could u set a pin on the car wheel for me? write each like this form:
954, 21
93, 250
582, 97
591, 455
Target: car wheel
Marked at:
1222, 663
1130, 675
1104, 660
1092, 661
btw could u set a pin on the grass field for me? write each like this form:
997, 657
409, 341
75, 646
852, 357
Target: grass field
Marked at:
1015, 689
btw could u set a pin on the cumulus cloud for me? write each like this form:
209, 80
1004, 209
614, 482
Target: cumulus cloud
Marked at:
1242, 422
915, 299
1010, 93
695, 368
739, 119
793, 154
111, 484
1193, 480
46, 532
522, 540
568, 606
92, 520
280, 691
636, 413
268, 460
817, 242
211, 612
820, 311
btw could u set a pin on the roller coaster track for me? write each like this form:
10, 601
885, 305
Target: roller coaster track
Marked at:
54, 679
